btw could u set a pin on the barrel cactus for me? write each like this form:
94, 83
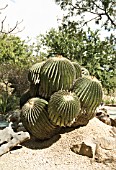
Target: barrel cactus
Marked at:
77, 70
60, 95
84, 71
56, 73
63, 107
89, 91
34, 71
25, 97
29, 93
35, 119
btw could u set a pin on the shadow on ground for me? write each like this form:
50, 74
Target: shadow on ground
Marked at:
34, 143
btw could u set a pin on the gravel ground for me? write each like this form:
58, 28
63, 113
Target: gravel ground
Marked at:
55, 154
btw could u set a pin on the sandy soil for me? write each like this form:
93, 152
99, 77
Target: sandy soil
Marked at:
55, 154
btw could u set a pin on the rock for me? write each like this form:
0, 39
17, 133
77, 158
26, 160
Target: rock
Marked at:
14, 117
9, 139
86, 148
107, 143
105, 120
103, 115
114, 131
113, 122
105, 156
82, 120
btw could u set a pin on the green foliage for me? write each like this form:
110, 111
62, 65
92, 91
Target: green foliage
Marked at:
7, 101
97, 55
14, 50
15, 59
16, 76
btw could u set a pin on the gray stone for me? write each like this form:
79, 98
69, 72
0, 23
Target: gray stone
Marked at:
9, 139
113, 122
108, 143
86, 148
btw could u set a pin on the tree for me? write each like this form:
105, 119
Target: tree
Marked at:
103, 12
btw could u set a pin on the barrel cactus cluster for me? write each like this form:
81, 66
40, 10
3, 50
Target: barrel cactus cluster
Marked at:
60, 95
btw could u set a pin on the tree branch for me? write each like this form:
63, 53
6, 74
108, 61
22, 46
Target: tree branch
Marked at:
4, 7
109, 18
2, 24
90, 20
105, 13
98, 6
12, 29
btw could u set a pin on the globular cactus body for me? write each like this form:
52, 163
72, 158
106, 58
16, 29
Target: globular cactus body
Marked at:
25, 97
34, 71
35, 119
63, 107
89, 92
77, 70
56, 73
84, 71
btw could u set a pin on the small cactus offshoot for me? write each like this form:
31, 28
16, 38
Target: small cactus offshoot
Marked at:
84, 71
